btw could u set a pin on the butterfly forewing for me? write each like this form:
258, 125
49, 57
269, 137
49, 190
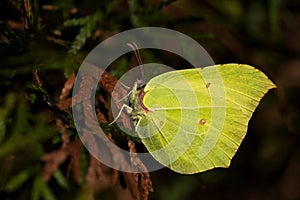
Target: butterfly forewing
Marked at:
197, 118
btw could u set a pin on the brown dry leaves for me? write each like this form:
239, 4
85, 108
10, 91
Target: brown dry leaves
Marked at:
98, 176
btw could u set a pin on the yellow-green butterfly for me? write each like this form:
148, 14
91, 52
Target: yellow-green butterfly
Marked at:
194, 120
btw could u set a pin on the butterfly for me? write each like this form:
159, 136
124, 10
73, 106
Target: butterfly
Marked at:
194, 120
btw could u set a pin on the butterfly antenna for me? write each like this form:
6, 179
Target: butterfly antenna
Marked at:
123, 98
136, 51
125, 86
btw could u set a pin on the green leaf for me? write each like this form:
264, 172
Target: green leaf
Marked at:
32, 98
195, 120
60, 179
41, 190
20, 137
84, 164
56, 139
88, 24
17, 181
4, 112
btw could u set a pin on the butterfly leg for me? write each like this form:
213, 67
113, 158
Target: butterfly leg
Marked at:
124, 106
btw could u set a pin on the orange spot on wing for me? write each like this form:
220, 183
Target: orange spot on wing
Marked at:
202, 121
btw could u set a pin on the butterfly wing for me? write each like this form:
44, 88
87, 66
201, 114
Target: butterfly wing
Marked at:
198, 118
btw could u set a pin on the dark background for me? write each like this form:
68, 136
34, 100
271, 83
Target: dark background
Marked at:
54, 36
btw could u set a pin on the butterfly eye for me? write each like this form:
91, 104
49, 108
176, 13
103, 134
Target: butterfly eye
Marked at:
141, 87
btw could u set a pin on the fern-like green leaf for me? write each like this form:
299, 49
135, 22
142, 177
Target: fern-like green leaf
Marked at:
60, 179
88, 24
17, 181
41, 190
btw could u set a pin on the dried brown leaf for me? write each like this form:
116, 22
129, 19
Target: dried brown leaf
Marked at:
63, 131
55, 158
143, 179
64, 104
67, 86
